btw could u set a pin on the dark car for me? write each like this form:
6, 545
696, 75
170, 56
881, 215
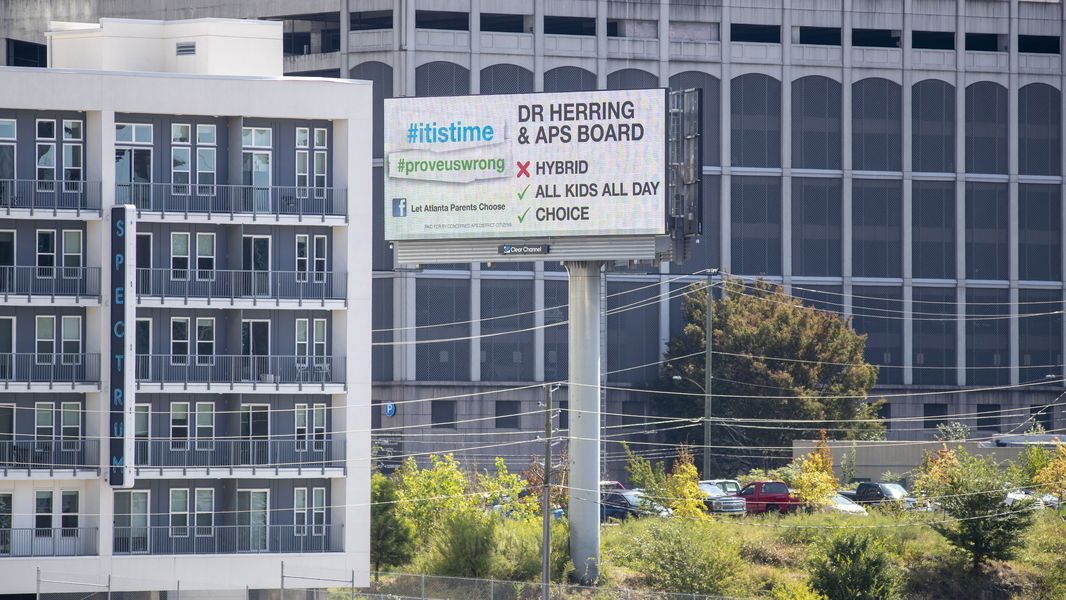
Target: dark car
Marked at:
718, 501
769, 496
622, 504
876, 494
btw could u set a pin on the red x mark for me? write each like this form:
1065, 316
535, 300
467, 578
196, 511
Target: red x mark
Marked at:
523, 169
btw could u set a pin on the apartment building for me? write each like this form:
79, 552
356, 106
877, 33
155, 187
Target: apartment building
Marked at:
897, 161
165, 172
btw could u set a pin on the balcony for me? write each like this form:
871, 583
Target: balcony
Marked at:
229, 539
246, 374
241, 289
61, 286
49, 372
239, 457
158, 202
40, 199
37, 542
28, 457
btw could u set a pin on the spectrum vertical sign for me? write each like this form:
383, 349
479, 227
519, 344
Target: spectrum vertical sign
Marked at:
119, 348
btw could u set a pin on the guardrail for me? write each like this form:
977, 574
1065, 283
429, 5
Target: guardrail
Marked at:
233, 199
32, 453
54, 368
50, 281
228, 539
40, 194
288, 453
214, 284
48, 541
181, 368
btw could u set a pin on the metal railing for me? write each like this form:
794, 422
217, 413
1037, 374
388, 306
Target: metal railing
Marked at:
48, 541
288, 453
182, 368
30, 453
39, 194
284, 285
53, 368
234, 199
228, 539
50, 281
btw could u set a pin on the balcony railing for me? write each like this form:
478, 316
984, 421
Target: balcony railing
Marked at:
233, 199
231, 285
50, 368
48, 541
182, 368
283, 453
228, 539
79, 282
30, 453
34, 194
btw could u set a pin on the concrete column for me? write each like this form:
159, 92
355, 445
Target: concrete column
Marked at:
664, 43
408, 8
601, 44
584, 396
960, 185
786, 146
664, 306
724, 206
346, 29
1012, 187
538, 45
235, 151
475, 321
538, 321
846, 219
475, 46
907, 80
405, 318
1062, 189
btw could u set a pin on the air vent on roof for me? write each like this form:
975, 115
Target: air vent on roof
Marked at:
186, 48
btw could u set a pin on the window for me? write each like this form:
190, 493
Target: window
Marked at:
440, 302
179, 340
877, 128
71, 340
72, 166
986, 128
205, 511
988, 417
205, 134
72, 251
934, 413
179, 425
180, 133
756, 121
302, 257
299, 511
507, 416
302, 418
257, 137
46, 253
319, 341
179, 256
774, 488
820, 36
318, 416
70, 423
142, 416
320, 258
302, 342
180, 169
320, 174
321, 137
303, 137
933, 127
933, 227
875, 38
205, 426
1039, 232
7, 129
765, 34
986, 230
133, 133
179, 512
205, 341
816, 234
933, 40
756, 227
43, 514
205, 171
68, 505
554, 25
46, 155
1039, 130
1039, 44
877, 239
876, 314
302, 174
442, 19
46, 339
43, 420
318, 510
205, 256
816, 123
984, 42
1039, 334
370, 20
310, 426
442, 414
934, 336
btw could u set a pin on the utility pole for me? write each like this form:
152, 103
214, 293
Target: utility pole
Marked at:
547, 505
708, 378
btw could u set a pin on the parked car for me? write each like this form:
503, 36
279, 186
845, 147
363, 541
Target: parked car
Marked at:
623, 504
610, 486
729, 486
840, 504
769, 496
718, 501
876, 494
1022, 497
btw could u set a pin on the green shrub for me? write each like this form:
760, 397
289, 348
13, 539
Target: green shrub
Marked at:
686, 557
794, 590
853, 565
517, 554
463, 546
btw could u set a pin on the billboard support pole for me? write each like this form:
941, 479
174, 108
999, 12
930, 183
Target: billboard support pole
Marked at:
584, 397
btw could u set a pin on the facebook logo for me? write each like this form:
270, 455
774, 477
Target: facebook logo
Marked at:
399, 207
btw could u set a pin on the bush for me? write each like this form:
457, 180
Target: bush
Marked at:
794, 590
517, 555
686, 557
463, 546
391, 537
853, 565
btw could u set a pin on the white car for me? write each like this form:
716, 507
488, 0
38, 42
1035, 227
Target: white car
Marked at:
840, 504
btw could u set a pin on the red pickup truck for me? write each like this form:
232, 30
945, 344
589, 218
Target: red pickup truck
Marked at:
769, 496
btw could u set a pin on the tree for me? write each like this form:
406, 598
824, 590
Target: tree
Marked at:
952, 432
816, 483
426, 497
678, 490
847, 466
509, 491
854, 565
972, 491
534, 475
1052, 476
1030, 462
807, 364
391, 537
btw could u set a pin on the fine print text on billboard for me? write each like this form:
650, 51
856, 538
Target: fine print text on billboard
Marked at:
526, 165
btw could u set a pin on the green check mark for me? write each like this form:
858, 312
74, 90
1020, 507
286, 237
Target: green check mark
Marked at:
522, 217
522, 194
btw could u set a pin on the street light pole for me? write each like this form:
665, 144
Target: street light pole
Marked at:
708, 379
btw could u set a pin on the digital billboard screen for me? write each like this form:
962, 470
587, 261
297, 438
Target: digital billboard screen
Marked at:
523, 166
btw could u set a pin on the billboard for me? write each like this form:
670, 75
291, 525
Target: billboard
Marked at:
523, 166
